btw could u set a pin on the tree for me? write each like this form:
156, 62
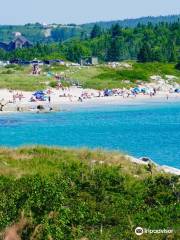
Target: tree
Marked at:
116, 30
145, 54
172, 52
96, 31
157, 55
75, 51
2, 54
113, 53
178, 66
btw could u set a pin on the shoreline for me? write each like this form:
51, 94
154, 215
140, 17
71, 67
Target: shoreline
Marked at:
119, 101
61, 103
161, 168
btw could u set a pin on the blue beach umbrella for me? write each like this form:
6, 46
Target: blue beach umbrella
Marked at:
177, 90
136, 90
40, 95
108, 92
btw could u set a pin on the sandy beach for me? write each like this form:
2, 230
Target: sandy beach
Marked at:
75, 97
59, 102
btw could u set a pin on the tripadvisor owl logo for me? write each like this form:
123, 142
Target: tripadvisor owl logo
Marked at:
139, 231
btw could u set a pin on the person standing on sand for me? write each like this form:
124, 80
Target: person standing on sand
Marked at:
49, 100
167, 97
2, 105
14, 98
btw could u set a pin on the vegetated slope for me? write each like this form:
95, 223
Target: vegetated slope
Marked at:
58, 32
103, 77
145, 43
51, 193
96, 77
20, 78
135, 22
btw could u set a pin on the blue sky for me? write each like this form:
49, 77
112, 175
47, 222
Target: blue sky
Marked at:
82, 11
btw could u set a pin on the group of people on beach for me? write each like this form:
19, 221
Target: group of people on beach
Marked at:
53, 96
85, 94
17, 96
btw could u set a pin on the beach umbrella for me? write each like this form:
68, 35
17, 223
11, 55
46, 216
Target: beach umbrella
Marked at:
136, 90
177, 90
145, 90
39, 93
108, 92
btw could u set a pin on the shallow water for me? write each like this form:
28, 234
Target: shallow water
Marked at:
142, 130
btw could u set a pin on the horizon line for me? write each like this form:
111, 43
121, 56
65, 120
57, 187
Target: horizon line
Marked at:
93, 22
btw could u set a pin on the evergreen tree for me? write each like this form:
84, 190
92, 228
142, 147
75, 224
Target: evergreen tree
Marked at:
146, 43
178, 66
96, 31
145, 53
116, 30
157, 55
113, 53
172, 52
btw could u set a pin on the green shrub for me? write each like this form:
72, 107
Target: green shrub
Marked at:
53, 84
70, 198
9, 71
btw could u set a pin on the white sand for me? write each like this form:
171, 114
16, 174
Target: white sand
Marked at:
59, 102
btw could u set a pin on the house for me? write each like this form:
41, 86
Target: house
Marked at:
94, 60
89, 61
19, 42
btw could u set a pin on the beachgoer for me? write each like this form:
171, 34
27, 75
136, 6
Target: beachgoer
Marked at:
14, 98
1, 107
80, 99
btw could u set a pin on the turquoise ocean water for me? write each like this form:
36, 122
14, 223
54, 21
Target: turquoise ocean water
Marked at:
141, 130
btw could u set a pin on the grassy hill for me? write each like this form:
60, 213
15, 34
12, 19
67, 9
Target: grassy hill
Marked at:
51, 193
97, 77
20, 78
105, 77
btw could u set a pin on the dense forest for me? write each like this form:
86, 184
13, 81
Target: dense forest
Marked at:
134, 22
46, 33
146, 43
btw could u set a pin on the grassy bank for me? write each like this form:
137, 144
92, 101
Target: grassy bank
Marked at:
100, 77
81, 194
19, 78
104, 77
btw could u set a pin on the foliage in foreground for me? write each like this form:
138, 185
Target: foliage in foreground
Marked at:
66, 194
